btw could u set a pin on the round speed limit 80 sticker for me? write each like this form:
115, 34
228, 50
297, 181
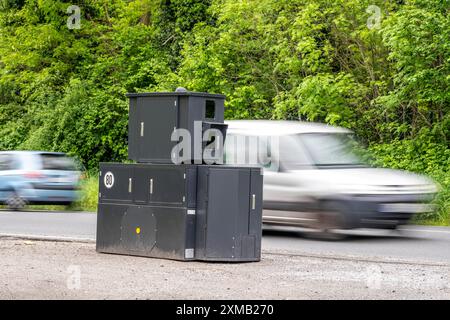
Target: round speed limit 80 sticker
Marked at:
108, 180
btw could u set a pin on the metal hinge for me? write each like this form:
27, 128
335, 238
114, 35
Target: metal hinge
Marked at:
151, 186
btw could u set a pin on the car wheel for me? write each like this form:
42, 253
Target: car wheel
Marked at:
15, 202
331, 220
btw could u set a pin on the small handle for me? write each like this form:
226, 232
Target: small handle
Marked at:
151, 186
253, 202
130, 185
142, 129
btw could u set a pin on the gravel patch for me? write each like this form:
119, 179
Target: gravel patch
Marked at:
70, 270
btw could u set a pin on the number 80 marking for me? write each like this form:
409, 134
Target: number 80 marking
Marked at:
108, 180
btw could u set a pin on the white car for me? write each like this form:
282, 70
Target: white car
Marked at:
313, 178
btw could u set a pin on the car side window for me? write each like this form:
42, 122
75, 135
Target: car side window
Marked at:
57, 162
6, 162
249, 150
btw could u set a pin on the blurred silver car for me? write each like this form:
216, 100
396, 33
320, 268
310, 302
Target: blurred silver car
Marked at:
313, 178
34, 177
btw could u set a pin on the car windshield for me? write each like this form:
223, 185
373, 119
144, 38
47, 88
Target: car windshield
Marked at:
331, 149
293, 152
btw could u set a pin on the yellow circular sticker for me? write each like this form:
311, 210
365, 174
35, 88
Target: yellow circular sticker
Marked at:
138, 230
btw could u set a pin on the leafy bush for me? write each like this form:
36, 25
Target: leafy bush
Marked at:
64, 89
89, 194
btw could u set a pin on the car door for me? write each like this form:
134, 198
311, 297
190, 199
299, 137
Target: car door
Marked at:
288, 198
56, 172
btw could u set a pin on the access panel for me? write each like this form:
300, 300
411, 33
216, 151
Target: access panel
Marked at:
229, 210
148, 184
158, 232
158, 117
116, 183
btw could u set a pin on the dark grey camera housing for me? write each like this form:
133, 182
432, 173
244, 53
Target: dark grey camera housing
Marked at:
181, 212
153, 117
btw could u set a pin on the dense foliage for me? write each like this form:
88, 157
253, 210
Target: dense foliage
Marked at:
381, 68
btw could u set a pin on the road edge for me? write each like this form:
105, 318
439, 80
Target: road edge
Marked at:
350, 258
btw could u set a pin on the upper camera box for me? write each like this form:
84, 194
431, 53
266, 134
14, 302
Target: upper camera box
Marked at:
155, 117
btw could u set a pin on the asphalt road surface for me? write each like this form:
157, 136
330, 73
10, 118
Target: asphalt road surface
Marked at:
417, 244
412, 264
